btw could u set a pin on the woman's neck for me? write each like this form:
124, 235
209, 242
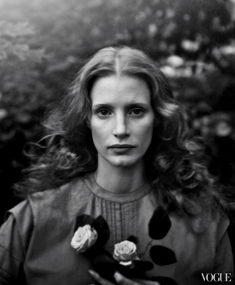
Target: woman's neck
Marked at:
120, 179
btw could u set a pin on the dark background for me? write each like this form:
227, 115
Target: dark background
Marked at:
43, 43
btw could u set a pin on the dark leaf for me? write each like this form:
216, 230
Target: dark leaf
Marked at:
83, 220
143, 265
134, 239
136, 270
105, 265
159, 224
102, 229
162, 255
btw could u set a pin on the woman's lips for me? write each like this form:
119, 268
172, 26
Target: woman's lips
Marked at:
121, 146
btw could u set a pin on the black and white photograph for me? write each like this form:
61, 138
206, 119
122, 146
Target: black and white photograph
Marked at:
117, 142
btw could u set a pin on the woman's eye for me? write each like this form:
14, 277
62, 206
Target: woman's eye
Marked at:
102, 113
136, 112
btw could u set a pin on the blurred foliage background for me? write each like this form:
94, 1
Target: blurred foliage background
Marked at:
44, 42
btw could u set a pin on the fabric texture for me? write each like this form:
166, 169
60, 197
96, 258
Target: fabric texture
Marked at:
36, 236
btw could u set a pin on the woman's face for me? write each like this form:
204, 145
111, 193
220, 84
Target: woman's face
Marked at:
122, 120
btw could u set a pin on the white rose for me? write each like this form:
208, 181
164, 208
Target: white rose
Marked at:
84, 238
125, 252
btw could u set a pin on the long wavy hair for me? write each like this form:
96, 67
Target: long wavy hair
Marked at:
172, 164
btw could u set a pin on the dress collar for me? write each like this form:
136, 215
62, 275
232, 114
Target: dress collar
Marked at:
99, 191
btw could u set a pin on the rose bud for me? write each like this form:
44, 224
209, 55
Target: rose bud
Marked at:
125, 252
84, 238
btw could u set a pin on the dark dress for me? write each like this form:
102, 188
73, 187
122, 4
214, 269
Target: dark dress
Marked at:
37, 234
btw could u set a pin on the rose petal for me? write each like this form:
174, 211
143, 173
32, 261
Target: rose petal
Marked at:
125, 251
84, 238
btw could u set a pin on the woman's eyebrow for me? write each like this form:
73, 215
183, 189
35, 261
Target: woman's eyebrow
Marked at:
138, 104
101, 105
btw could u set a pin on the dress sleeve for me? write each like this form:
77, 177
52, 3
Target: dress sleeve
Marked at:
14, 239
224, 257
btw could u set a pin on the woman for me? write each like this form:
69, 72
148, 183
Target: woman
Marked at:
119, 196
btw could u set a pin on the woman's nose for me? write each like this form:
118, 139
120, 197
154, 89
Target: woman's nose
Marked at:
120, 128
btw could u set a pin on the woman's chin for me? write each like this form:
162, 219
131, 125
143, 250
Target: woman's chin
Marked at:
124, 162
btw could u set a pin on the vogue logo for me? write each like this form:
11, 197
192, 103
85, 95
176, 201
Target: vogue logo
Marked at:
217, 277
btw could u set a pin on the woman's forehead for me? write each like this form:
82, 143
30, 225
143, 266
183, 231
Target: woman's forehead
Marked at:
120, 88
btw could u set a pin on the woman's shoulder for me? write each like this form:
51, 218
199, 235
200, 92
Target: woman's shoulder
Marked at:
18, 208
75, 189
52, 204
212, 221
